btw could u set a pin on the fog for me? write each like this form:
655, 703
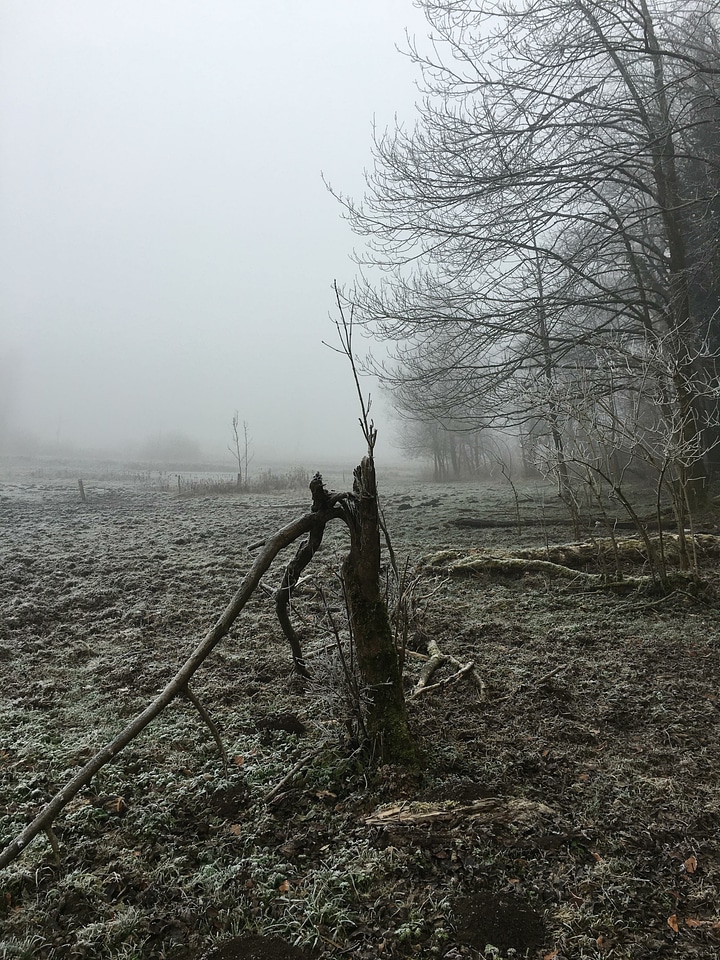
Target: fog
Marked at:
168, 245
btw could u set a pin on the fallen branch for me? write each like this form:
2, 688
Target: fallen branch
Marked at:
490, 810
466, 668
467, 566
563, 560
300, 765
436, 658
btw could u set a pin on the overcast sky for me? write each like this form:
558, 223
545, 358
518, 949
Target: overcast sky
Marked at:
166, 240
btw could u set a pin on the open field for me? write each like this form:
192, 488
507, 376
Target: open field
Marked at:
570, 811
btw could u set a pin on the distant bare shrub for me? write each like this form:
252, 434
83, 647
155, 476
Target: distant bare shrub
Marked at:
266, 482
296, 479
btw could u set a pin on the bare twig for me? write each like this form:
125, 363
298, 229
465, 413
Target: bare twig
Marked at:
344, 329
50, 834
209, 722
300, 765
538, 682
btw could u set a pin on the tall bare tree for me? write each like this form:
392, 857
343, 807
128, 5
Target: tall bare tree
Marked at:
541, 213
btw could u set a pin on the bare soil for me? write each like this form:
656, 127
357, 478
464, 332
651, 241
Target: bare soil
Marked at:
571, 811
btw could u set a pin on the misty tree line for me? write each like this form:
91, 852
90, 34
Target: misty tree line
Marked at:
542, 245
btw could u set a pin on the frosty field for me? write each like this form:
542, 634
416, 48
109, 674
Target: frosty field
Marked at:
570, 810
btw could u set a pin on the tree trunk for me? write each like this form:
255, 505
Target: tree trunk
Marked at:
386, 720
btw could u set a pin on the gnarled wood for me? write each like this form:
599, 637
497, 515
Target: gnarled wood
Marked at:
323, 502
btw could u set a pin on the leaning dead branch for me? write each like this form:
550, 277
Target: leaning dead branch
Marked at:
377, 658
177, 686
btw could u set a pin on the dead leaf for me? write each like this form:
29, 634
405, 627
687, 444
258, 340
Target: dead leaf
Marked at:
691, 922
597, 856
551, 955
236, 829
673, 923
284, 887
691, 864
238, 760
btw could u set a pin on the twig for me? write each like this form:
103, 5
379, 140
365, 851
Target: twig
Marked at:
537, 683
345, 334
210, 723
553, 673
637, 607
300, 765
351, 681
50, 834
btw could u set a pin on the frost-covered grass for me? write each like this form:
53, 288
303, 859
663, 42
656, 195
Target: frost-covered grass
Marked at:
170, 852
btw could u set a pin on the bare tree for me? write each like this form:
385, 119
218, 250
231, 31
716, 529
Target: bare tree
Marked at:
240, 449
541, 211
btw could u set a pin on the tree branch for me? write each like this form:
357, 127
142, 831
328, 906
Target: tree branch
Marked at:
178, 685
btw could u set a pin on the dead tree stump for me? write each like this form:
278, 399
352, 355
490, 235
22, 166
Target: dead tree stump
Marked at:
377, 656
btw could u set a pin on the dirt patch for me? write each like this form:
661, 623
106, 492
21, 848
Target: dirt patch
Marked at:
257, 948
504, 922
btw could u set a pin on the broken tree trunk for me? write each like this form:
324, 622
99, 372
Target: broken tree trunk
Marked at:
376, 652
377, 656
